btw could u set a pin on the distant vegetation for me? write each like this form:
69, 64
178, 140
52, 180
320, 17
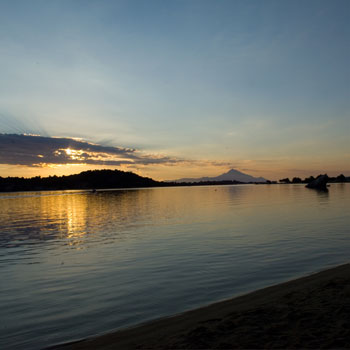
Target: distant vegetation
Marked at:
298, 180
85, 180
103, 179
92, 179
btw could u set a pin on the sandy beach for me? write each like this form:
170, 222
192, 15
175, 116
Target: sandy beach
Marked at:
309, 312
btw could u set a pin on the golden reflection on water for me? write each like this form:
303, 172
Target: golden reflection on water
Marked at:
74, 213
67, 214
76, 216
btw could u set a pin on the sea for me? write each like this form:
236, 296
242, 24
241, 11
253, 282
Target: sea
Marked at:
75, 264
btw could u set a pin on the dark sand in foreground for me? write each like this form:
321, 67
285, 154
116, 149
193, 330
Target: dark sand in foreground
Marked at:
310, 312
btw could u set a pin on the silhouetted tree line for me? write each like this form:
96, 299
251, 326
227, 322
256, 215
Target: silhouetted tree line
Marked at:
86, 180
92, 179
298, 180
103, 179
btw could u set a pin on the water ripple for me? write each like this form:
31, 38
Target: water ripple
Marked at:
77, 264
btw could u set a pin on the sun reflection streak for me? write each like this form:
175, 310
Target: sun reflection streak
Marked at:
76, 216
71, 213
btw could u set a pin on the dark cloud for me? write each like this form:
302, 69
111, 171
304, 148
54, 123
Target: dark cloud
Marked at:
33, 150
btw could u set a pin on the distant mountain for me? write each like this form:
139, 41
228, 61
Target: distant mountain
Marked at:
231, 175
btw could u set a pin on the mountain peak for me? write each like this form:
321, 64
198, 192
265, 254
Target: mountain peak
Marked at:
233, 171
231, 175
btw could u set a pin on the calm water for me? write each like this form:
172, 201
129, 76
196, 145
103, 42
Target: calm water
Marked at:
75, 264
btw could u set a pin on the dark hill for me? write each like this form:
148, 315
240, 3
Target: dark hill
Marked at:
85, 180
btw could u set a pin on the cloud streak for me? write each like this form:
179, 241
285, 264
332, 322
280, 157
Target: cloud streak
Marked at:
39, 151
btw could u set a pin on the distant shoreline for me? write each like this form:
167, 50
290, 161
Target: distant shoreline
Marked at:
92, 180
116, 179
308, 312
170, 185
165, 185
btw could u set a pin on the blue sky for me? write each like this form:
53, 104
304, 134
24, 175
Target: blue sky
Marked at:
262, 86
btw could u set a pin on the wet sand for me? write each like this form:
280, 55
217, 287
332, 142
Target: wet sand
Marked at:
309, 312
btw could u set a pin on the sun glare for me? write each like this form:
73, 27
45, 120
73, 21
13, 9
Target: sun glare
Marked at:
74, 154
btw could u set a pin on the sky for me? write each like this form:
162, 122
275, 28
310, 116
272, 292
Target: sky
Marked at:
172, 89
